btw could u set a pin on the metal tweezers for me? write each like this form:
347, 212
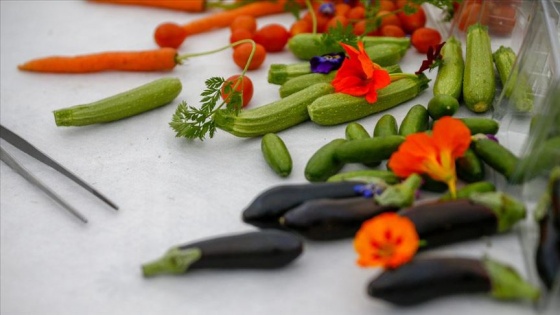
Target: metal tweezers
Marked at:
28, 148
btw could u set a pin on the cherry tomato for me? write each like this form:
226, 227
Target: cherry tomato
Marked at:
240, 34
388, 18
300, 26
273, 37
245, 87
503, 20
242, 52
425, 37
335, 20
414, 21
392, 31
169, 35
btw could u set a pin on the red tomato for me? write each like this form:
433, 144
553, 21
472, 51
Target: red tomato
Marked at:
240, 34
425, 37
502, 19
392, 31
414, 21
242, 52
300, 26
273, 37
245, 87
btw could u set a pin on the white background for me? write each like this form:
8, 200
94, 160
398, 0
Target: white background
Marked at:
170, 191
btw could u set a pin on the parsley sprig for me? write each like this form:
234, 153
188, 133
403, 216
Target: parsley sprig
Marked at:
195, 123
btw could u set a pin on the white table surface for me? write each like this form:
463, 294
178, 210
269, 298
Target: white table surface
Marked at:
170, 191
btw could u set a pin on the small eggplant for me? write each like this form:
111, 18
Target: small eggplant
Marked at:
330, 219
426, 279
447, 222
265, 249
265, 210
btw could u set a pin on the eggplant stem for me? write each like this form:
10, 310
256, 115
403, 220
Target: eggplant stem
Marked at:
175, 261
507, 284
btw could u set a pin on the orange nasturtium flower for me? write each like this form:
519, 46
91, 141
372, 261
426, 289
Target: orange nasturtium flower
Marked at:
433, 155
359, 76
387, 240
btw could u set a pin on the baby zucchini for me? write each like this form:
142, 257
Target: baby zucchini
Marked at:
301, 82
449, 79
429, 278
133, 102
271, 204
518, 87
276, 154
332, 219
272, 117
338, 108
479, 81
266, 249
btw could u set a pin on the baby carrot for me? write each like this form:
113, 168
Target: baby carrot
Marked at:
182, 5
161, 59
216, 20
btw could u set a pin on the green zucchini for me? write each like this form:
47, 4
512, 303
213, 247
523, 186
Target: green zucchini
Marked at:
416, 120
276, 154
386, 126
517, 88
449, 79
323, 163
272, 117
307, 45
368, 150
299, 83
386, 54
338, 108
481, 125
133, 102
479, 82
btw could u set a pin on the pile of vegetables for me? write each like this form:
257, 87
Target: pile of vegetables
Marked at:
334, 204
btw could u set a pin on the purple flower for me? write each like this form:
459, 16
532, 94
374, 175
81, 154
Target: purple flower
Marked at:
326, 63
368, 190
327, 8
434, 59
492, 137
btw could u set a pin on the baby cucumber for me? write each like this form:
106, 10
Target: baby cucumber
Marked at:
416, 120
479, 81
276, 154
301, 82
133, 102
272, 117
368, 150
442, 105
307, 45
323, 163
355, 130
338, 108
481, 125
449, 79
496, 156
469, 167
386, 126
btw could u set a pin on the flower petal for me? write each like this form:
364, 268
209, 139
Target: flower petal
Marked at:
453, 135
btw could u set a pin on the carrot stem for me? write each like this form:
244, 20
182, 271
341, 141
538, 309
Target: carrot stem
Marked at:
181, 5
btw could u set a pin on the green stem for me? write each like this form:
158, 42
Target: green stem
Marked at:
175, 261
400, 195
507, 284
507, 209
313, 16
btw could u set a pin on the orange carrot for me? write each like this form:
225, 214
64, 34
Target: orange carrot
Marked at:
182, 5
162, 59
173, 36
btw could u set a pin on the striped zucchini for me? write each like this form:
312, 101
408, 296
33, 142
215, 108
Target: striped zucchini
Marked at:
479, 82
338, 108
515, 85
449, 79
272, 117
133, 102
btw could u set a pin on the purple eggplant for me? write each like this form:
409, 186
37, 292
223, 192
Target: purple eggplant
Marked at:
426, 279
265, 210
265, 249
547, 256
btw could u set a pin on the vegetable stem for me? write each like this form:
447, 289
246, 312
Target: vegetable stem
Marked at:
400, 195
507, 283
174, 261
507, 209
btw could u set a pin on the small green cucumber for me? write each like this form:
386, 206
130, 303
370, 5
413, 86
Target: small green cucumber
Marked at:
323, 163
272, 117
133, 102
368, 150
416, 120
386, 126
276, 154
307, 45
449, 78
386, 54
338, 108
356, 130
467, 190
515, 85
366, 176
481, 125
496, 156
299, 83
479, 80
442, 105
469, 167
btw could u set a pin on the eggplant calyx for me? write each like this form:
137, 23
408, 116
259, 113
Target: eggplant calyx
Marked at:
507, 209
400, 195
507, 284
175, 261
